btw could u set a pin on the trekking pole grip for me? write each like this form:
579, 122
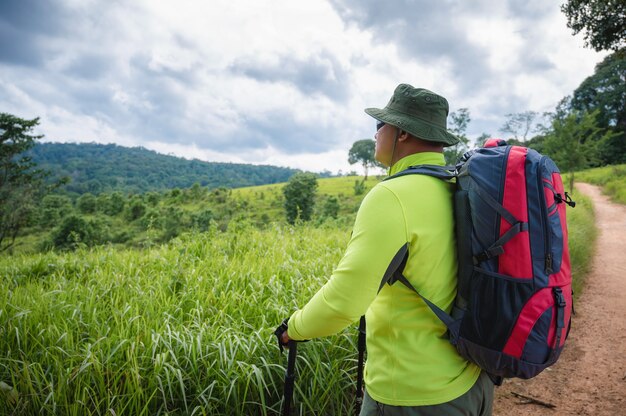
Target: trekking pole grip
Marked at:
279, 333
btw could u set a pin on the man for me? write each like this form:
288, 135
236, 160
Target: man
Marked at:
411, 368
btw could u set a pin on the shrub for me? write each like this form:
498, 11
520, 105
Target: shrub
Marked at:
135, 210
300, 197
359, 187
73, 232
86, 204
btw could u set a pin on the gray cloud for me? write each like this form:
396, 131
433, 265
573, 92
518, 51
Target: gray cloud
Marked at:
282, 131
318, 74
424, 31
25, 26
430, 32
90, 65
529, 11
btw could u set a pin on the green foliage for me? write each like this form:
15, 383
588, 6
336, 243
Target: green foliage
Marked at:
73, 232
172, 223
86, 203
359, 187
135, 210
183, 328
330, 209
20, 183
602, 21
362, 151
605, 92
152, 198
112, 204
612, 179
52, 209
180, 329
203, 219
573, 142
582, 235
300, 197
97, 168
148, 219
459, 120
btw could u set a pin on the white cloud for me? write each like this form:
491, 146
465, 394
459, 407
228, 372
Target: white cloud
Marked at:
276, 81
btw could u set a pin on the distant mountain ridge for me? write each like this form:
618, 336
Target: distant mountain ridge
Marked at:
97, 168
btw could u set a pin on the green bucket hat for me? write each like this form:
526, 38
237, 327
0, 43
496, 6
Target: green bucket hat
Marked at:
420, 112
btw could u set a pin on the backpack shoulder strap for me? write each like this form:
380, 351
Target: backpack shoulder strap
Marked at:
394, 274
445, 173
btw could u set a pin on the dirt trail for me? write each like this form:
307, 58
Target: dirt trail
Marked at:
590, 377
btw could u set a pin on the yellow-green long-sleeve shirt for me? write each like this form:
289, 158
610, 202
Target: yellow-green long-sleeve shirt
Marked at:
410, 361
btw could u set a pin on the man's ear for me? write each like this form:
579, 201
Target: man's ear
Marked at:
403, 136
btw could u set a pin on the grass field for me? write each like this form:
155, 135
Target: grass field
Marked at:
184, 328
181, 329
612, 179
582, 236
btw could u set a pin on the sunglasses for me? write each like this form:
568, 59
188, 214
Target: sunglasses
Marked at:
379, 124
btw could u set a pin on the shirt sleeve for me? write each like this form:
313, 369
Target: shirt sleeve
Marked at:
379, 232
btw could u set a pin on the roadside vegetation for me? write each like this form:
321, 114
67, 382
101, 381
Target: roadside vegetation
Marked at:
186, 327
612, 180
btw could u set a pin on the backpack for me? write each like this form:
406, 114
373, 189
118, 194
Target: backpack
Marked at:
512, 312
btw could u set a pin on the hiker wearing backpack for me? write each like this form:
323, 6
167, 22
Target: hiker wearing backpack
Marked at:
404, 224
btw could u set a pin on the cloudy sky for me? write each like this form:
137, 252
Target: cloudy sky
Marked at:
279, 82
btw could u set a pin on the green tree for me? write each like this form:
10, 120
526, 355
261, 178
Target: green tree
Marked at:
52, 209
86, 203
135, 210
197, 192
153, 198
359, 187
605, 91
519, 125
330, 209
602, 21
172, 223
73, 232
573, 142
362, 151
300, 197
21, 184
459, 120
114, 204
202, 220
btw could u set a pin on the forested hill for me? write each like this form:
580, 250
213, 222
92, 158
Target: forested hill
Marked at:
97, 168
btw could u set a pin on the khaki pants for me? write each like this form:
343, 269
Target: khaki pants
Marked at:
478, 401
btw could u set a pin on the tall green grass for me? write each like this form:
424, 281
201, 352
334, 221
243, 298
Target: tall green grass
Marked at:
582, 235
612, 179
181, 329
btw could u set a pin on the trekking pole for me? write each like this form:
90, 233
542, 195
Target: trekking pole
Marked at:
290, 378
290, 373
359, 369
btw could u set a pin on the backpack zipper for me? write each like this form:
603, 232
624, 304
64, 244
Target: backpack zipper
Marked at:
544, 218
